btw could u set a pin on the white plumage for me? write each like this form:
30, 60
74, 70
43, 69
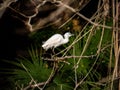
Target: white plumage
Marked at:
56, 40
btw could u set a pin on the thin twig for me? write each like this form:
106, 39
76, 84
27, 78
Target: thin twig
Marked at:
48, 80
115, 43
82, 16
75, 69
67, 57
73, 15
31, 79
55, 67
6, 3
77, 85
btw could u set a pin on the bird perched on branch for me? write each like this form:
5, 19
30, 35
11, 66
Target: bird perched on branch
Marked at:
56, 40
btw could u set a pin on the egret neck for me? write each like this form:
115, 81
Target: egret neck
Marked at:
66, 39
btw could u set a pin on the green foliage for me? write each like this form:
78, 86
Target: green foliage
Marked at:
27, 69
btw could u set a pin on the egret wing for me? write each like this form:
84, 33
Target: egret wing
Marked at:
54, 39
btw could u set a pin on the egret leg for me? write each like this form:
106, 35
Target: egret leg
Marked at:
53, 50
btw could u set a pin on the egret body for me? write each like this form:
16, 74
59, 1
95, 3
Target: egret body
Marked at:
56, 40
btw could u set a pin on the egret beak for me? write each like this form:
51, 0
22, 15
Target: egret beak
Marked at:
72, 34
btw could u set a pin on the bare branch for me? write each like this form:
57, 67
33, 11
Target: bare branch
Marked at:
82, 16
57, 59
4, 5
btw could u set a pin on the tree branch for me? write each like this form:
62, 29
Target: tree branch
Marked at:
4, 5
82, 16
57, 59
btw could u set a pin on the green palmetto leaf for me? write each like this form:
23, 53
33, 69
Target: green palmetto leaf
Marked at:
28, 69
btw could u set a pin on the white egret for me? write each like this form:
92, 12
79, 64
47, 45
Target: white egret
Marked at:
56, 40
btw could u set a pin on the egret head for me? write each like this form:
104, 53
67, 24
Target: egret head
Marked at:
68, 34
